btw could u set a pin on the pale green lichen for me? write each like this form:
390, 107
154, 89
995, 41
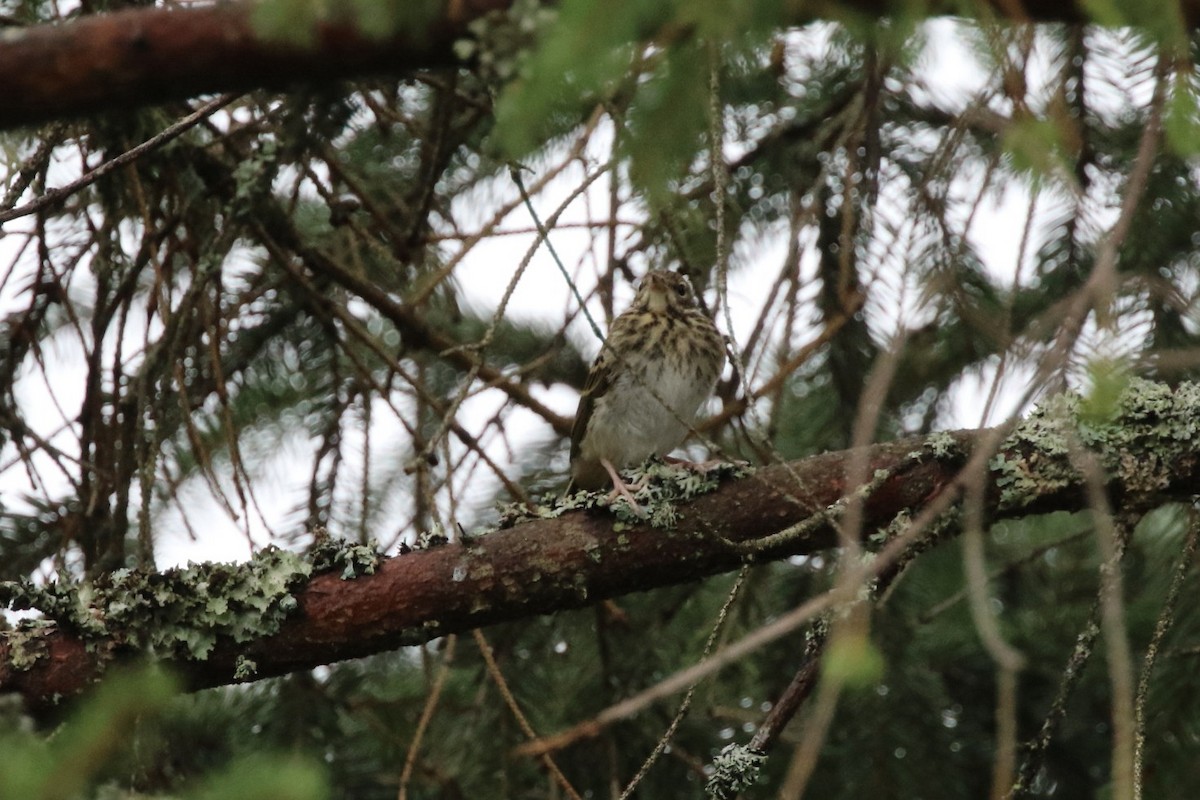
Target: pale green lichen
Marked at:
327, 554
65, 602
183, 612
735, 769
897, 526
663, 516
512, 513
942, 445
661, 487
500, 39
1150, 430
178, 613
245, 669
27, 644
435, 537
658, 488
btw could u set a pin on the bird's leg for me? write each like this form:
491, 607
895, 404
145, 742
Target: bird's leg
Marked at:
621, 488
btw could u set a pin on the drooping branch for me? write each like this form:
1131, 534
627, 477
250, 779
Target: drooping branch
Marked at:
139, 57
1150, 449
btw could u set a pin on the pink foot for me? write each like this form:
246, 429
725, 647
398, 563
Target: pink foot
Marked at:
621, 489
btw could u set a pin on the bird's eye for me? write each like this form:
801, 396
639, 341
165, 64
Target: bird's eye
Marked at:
681, 289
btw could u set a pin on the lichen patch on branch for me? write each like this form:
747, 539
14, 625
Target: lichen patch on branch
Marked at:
1142, 440
178, 613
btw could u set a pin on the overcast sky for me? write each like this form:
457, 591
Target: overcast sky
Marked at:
48, 401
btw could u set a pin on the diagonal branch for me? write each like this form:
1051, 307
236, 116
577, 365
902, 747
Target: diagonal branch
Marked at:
1149, 452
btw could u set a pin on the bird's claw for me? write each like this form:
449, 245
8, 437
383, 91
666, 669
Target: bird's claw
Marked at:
621, 489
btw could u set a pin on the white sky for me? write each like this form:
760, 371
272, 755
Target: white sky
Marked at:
953, 75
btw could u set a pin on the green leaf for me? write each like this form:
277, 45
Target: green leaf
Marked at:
266, 778
586, 50
667, 122
87, 743
1038, 147
854, 660
1181, 123
1108, 379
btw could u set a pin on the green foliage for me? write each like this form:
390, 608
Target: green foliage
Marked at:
1181, 123
360, 717
1161, 19
286, 278
675, 99
86, 747
853, 661
587, 50
592, 55
382, 18
262, 778
296, 22
1039, 148
1109, 379
89, 753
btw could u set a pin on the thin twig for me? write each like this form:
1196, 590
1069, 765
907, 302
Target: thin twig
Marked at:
1112, 538
1165, 617
502, 685
435, 693
686, 703
52, 196
1008, 660
682, 679
544, 236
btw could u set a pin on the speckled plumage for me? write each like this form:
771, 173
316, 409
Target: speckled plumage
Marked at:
660, 362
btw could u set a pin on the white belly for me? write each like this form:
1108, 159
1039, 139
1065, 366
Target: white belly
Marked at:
637, 419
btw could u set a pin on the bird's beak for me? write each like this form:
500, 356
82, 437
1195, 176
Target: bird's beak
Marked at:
656, 293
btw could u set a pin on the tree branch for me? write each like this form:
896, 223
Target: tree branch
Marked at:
139, 57
1149, 451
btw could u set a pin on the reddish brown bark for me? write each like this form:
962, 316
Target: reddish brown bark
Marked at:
137, 57
550, 565
533, 568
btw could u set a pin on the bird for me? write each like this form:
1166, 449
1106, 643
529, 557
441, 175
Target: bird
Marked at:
659, 363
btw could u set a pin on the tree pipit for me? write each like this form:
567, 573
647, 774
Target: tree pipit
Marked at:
660, 362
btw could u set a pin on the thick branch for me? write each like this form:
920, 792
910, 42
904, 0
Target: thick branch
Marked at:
533, 568
138, 57
546, 565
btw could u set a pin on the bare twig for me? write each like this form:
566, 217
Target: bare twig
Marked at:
56, 195
1166, 616
502, 685
431, 702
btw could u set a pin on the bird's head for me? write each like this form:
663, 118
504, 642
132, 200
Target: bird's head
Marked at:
662, 290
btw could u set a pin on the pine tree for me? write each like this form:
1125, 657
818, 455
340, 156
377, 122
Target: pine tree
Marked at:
344, 323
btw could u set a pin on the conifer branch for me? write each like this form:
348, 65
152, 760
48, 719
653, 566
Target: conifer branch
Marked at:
1147, 449
138, 57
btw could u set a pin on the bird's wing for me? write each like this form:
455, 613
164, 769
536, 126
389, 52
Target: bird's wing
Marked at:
598, 380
